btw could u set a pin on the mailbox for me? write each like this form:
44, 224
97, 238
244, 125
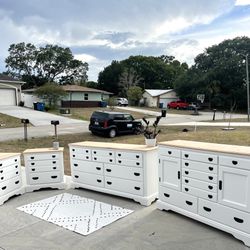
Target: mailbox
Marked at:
25, 121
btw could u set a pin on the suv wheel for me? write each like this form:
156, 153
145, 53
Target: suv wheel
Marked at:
112, 133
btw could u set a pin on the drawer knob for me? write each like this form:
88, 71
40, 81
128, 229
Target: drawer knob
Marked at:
53, 156
94, 152
73, 150
189, 203
2, 178
211, 168
207, 209
169, 152
187, 181
137, 174
35, 178
54, 162
17, 172
110, 160
75, 165
137, 163
179, 175
98, 180
3, 188
76, 176
210, 196
210, 159
108, 170
1, 171
54, 168
32, 158
119, 161
186, 155
33, 169
186, 164
235, 162
210, 187
15, 160
109, 182
137, 188
16, 182
87, 151
166, 195
1, 164
98, 168
137, 156
16, 166
73, 155
95, 158
32, 164
87, 157
54, 176
110, 153
210, 178
186, 189
238, 220
186, 172
119, 155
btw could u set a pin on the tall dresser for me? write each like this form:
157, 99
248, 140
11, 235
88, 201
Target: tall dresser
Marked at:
10, 176
126, 170
208, 182
44, 168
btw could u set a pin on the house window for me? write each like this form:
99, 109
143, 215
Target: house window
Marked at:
86, 97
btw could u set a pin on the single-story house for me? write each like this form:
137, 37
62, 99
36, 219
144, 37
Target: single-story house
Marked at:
159, 97
79, 96
10, 90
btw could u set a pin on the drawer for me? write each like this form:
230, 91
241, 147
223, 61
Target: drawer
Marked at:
9, 161
178, 199
172, 152
103, 159
235, 162
199, 193
88, 179
125, 186
103, 153
131, 163
87, 166
81, 156
202, 176
40, 156
225, 215
8, 169
200, 166
37, 169
129, 155
80, 151
124, 172
202, 157
41, 163
210, 187
10, 185
44, 178
9, 175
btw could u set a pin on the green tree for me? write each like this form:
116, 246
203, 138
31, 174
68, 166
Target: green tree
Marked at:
134, 94
51, 92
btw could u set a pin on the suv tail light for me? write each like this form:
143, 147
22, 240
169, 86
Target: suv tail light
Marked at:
105, 124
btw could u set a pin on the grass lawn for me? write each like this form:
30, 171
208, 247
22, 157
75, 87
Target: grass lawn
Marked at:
239, 136
9, 122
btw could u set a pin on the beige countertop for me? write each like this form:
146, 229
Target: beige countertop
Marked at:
42, 150
7, 155
214, 147
108, 145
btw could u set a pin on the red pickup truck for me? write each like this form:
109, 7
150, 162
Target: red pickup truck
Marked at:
178, 105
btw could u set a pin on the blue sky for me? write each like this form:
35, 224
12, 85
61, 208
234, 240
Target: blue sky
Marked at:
99, 31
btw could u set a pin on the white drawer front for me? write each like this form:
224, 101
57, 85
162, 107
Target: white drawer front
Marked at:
210, 187
80, 151
9, 161
228, 216
9, 175
88, 179
131, 163
37, 169
124, 172
86, 157
235, 162
10, 185
127, 186
202, 157
178, 199
171, 152
86, 166
103, 153
199, 193
44, 178
129, 155
206, 167
103, 159
41, 156
199, 175
8, 169
41, 163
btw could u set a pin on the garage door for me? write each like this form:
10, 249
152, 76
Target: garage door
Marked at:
7, 97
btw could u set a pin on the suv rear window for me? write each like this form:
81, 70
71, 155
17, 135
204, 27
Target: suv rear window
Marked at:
100, 115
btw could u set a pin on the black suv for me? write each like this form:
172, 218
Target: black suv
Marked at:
113, 123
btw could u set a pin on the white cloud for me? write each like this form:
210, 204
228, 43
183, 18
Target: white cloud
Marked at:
85, 58
242, 2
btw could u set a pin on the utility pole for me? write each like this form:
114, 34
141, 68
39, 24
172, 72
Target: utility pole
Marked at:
247, 82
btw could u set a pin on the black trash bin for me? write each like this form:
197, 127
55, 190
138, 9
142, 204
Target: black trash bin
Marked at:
35, 105
160, 105
163, 112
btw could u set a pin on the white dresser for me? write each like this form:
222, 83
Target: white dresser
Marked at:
207, 182
126, 170
44, 168
10, 176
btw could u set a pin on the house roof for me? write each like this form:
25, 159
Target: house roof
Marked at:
9, 79
158, 92
77, 88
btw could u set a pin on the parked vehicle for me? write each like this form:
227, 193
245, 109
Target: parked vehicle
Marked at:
114, 123
120, 101
193, 106
178, 105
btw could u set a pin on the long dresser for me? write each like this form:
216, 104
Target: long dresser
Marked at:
208, 182
10, 176
126, 170
44, 168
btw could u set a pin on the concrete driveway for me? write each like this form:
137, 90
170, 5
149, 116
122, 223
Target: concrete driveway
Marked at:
37, 118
